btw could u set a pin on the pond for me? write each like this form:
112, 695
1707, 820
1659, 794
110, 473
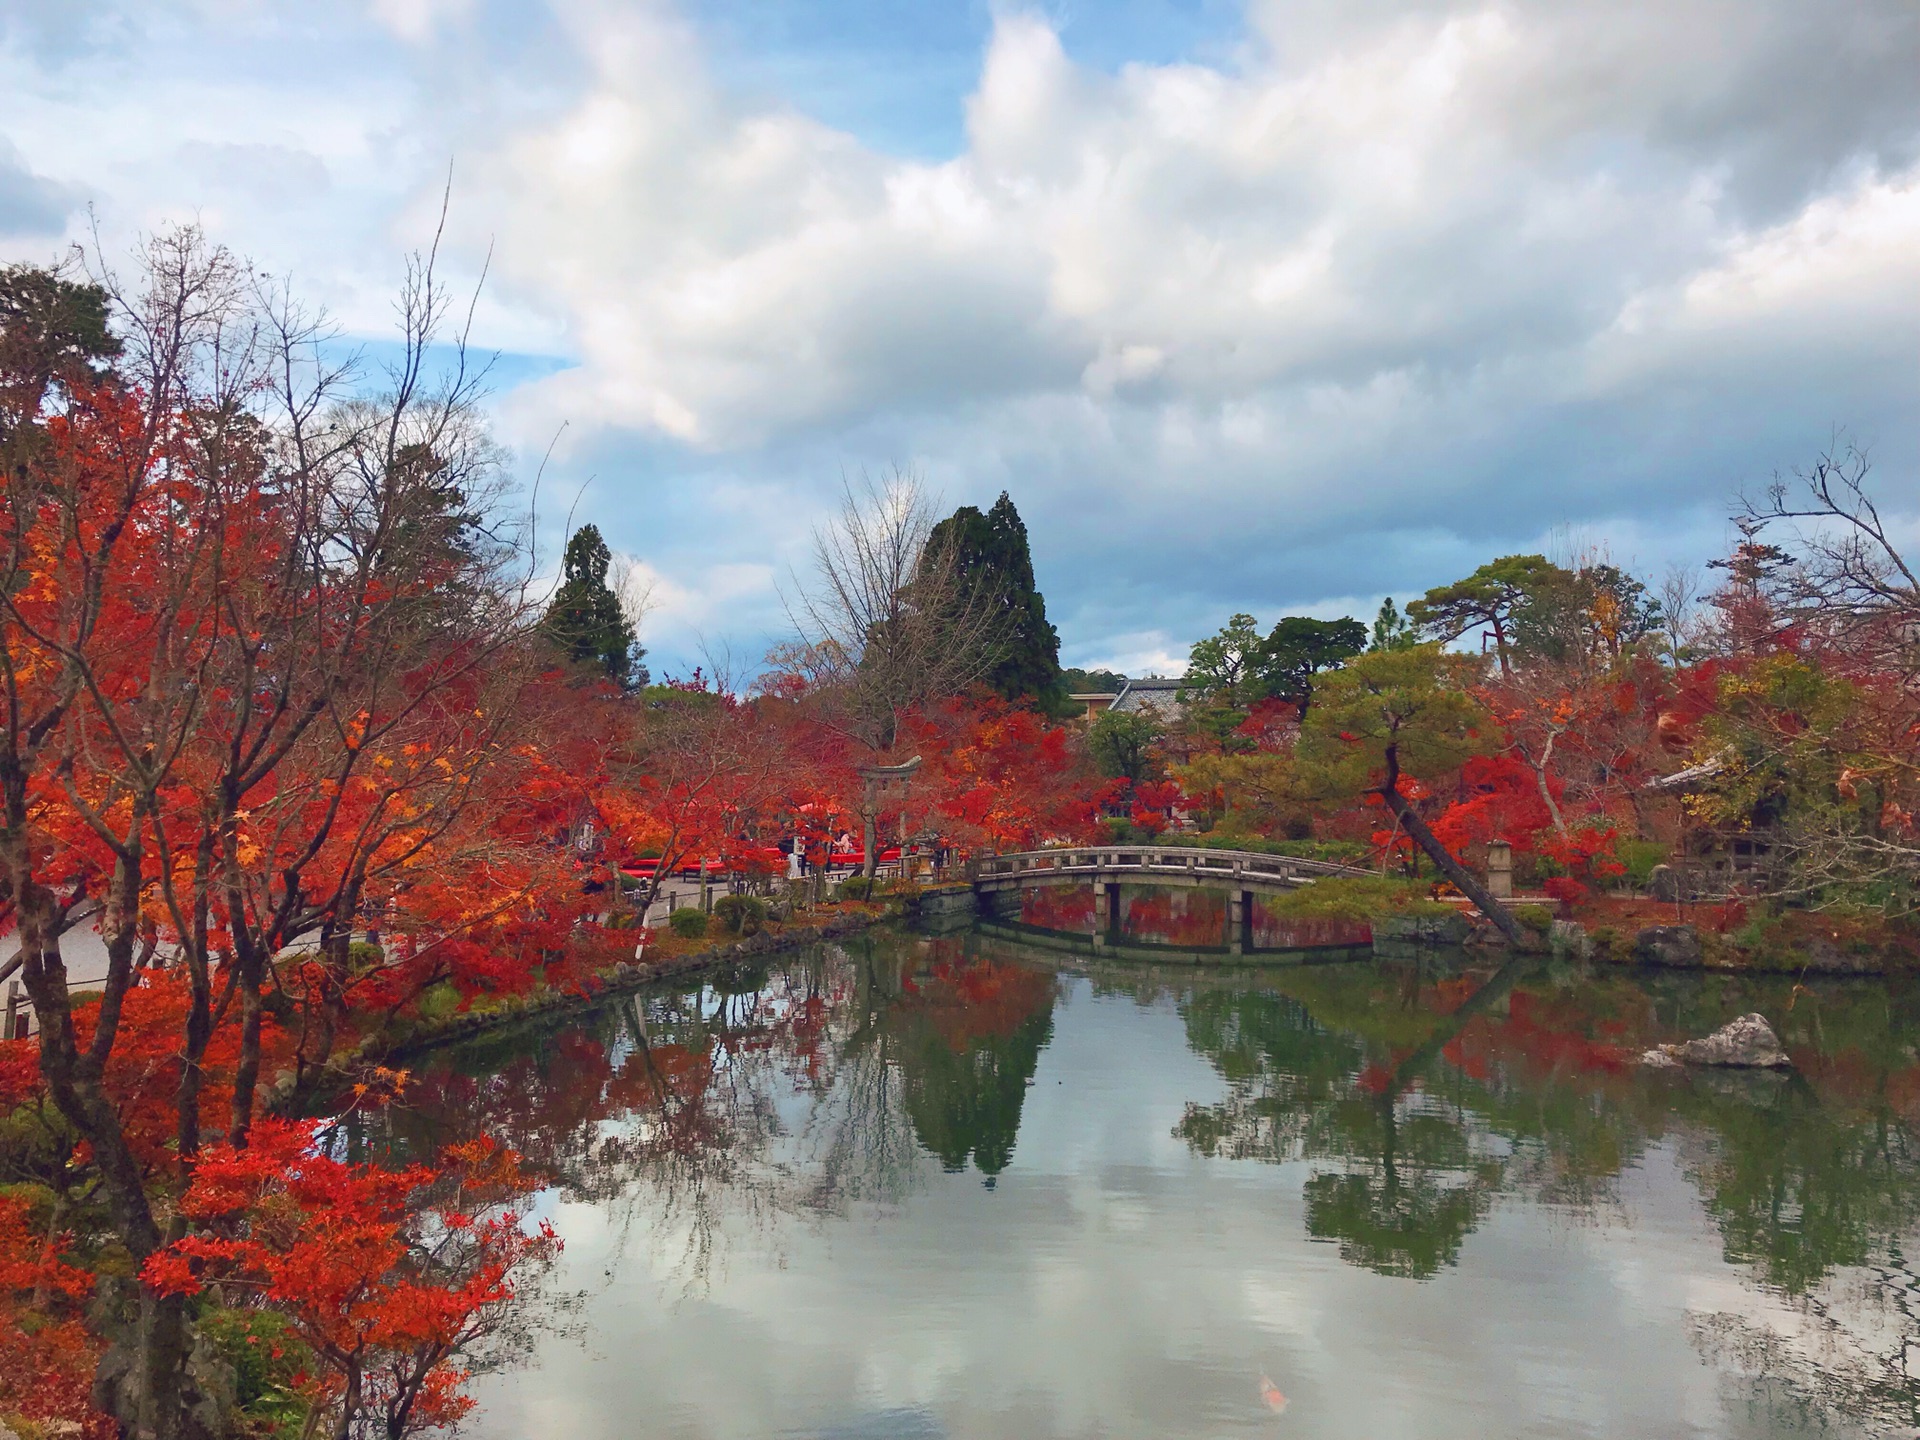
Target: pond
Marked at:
963, 1187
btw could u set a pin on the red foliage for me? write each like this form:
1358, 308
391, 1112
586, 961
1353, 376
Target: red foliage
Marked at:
384, 1273
47, 1355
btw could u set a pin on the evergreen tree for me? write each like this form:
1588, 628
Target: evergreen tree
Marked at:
1300, 647
1092, 682
585, 620
991, 552
1490, 598
1391, 630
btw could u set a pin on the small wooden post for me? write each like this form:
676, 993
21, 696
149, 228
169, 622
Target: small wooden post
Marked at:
13, 1009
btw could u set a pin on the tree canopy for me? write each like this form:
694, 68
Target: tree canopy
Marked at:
1239, 667
586, 620
991, 557
1487, 599
1091, 682
1120, 743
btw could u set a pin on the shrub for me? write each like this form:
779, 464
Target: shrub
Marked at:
856, 887
364, 955
439, 1001
689, 922
1640, 857
1537, 918
741, 914
1564, 888
1356, 898
268, 1359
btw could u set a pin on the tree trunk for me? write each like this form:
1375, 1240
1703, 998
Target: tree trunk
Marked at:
1462, 878
159, 1343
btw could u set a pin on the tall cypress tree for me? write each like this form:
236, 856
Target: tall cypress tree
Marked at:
585, 620
992, 555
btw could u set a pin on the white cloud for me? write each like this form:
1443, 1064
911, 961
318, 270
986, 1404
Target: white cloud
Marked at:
417, 20
1387, 288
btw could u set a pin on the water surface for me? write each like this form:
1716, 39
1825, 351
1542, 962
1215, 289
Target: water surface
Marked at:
954, 1187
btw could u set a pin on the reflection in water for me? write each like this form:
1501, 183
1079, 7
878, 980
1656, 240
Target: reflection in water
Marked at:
1420, 1110
1445, 1090
800, 1088
1180, 918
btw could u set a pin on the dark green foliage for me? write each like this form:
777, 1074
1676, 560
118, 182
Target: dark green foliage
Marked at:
269, 1360
1537, 918
1486, 599
1300, 647
1356, 898
1239, 667
52, 331
995, 565
1591, 613
689, 922
1225, 668
856, 887
965, 1101
1392, 630
1121, 743
741, 914
437, 528
1091, 682
1345, 852
586, 621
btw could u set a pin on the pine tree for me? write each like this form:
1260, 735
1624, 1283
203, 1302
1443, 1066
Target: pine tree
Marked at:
991, 552
586, 621
1392, 630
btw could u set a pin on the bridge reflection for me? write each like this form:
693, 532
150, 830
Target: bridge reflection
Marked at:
1156, 922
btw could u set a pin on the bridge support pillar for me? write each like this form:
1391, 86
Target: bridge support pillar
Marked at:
1106, 910
1239, 922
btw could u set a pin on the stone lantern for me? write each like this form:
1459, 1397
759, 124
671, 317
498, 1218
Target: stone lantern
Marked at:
1500, 869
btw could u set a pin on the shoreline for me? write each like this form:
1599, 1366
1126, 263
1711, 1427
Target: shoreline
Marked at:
422, 1036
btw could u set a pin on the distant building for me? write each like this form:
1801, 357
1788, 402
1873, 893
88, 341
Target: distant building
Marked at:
1095, 701
1155, 693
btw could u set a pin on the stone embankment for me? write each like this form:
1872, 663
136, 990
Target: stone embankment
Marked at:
1685, 947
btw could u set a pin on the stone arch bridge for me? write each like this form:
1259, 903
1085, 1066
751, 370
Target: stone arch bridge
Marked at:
998, 879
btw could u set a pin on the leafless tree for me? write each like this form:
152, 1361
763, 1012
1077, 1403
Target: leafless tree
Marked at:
890, 623
1848, 575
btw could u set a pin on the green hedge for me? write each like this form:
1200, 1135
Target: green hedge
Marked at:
689, 922
1356, 898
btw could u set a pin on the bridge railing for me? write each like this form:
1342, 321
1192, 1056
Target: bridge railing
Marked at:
1226, 866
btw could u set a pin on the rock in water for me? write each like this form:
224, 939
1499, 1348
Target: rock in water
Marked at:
1748, 1043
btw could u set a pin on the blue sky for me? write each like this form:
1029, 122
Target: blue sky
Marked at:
1274, 306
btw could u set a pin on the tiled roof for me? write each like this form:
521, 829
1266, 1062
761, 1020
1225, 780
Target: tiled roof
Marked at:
1154, 693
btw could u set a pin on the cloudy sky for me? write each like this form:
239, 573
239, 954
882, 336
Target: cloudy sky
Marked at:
1273, 306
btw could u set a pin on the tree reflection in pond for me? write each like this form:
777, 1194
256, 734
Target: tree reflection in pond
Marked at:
1421, 1099
1421, 1094
792, 1090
